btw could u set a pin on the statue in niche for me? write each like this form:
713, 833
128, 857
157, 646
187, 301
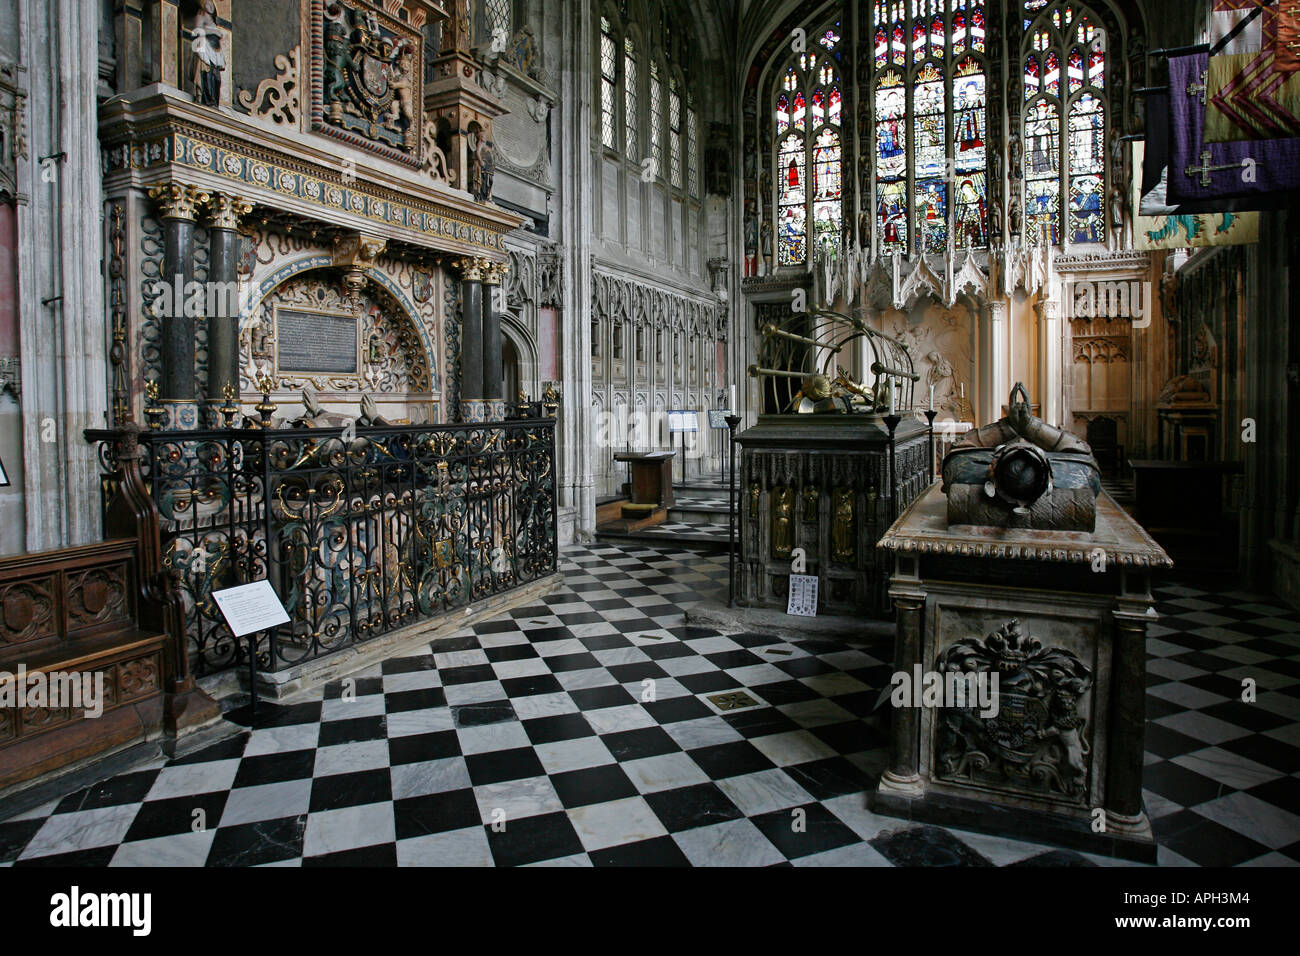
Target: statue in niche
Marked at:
995, 222
783, 522
754, 493
209, 60
1015, 216
843, 545
811, 495
766, 244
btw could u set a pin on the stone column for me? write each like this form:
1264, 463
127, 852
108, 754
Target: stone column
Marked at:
59, 281
178, 205
493, 375
224, 306
999, 362
472, 407
1127, 724
903, 776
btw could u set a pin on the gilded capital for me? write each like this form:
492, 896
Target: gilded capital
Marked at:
471, 270
224, 212
177, 200
494, 273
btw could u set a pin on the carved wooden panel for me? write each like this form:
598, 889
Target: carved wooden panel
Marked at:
98, 596
27, 610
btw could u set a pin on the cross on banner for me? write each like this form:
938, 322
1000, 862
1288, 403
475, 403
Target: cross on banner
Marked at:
1205, 168
1201, 87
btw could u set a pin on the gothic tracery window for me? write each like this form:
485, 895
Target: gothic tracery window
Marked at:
630, 115
929, 117
608, 84
808, 116
1064, 77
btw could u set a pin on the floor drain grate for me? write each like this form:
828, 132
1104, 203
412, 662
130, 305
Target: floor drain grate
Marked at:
732, 700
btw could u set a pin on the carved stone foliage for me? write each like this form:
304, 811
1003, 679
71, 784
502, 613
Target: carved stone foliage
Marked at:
1038, 741
370, 92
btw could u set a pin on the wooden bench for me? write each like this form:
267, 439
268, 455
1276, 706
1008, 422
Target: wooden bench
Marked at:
108, 611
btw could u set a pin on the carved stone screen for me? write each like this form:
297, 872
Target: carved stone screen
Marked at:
316, 342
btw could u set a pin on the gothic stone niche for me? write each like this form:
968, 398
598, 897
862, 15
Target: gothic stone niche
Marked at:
367, 80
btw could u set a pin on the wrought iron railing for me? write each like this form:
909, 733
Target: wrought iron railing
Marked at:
359, 537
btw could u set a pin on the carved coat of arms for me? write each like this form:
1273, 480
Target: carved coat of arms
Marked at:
1037, 740
370, 90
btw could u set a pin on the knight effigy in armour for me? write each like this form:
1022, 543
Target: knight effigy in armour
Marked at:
1020, 472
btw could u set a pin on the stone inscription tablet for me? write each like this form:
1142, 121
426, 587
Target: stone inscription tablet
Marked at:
315, 342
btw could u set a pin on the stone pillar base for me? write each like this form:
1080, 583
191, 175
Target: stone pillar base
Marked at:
181, 415
474, 410
496, 409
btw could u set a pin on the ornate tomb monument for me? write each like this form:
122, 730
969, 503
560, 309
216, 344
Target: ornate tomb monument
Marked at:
1023, 594
829, 473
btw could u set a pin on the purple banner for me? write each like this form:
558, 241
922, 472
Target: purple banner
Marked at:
1255, 169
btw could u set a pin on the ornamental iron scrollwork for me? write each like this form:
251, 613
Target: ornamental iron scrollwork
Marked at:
359, 537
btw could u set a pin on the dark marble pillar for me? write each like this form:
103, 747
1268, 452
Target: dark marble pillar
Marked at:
177, 389
224, 305
905, 757
493, 374
472, 407
1127, 726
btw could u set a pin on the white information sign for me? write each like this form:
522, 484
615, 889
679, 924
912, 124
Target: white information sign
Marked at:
803, 595
251, 607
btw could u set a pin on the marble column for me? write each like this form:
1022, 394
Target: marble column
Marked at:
223, 307
494, 274
178, 205
472, 406
903, 775
1127, 723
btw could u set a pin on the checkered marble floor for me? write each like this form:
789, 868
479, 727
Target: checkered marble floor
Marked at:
532, 739
694, 529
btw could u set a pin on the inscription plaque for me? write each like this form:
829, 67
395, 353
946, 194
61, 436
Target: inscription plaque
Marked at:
316, 342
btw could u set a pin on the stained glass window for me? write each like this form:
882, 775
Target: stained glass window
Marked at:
929, 112
807, 116
608, 82
630, 115
1064, 125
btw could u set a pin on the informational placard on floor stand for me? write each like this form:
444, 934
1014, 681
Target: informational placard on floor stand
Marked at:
681, 421
718, 420
250, 609
803, 595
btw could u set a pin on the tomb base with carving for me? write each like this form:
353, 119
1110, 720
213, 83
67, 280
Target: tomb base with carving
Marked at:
821, 483
1053, 751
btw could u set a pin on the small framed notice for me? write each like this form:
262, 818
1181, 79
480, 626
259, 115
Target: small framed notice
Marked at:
251, 607
718, 417
803, 595
683, 420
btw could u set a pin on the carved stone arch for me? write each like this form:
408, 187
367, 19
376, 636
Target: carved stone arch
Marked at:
385, 288
526, 350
